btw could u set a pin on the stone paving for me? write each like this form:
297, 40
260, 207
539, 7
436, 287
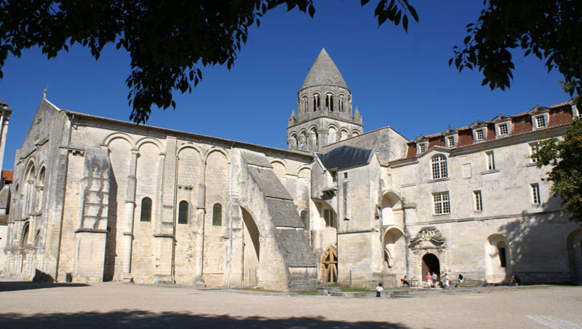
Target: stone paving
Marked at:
119, 305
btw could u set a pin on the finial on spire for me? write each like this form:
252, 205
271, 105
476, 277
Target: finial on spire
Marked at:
44, 93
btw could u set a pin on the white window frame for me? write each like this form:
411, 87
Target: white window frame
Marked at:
490, 157
535, 194
536, 118
478, 131
421, 148
441, 203
499, 128
451, 140
439, 166
478, 198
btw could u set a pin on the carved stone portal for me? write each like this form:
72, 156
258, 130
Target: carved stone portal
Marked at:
428, 240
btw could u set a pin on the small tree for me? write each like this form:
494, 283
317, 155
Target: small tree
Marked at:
565, 157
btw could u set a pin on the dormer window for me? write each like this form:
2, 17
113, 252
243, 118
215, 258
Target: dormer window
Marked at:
451, 137
451, 141
480, 134
502, 125
421, 144
540, 117
422, 147
479, 131
540, 122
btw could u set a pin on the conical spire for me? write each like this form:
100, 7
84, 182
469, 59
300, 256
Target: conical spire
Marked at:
324, 72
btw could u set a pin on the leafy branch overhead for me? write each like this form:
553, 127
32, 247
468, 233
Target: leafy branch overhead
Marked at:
547, 29
168, 41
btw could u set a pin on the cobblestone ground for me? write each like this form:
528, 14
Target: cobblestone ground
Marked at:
117, 305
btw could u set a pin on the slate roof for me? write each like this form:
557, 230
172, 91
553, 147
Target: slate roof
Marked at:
345, 157
324, 72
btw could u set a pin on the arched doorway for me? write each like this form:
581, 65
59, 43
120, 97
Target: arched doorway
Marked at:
329, 266
497, 259
430, 265
251, 250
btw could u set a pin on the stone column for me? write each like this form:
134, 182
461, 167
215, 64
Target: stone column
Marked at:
130, 211
165, 232
201, 214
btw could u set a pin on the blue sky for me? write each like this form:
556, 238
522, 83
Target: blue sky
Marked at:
397, 79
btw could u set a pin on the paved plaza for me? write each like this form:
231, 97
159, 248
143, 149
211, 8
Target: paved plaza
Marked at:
119, 305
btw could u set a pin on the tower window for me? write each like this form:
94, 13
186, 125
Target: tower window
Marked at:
329, 102
315, 102
341, 103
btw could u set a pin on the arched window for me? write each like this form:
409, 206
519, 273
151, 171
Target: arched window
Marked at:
217, 215
305, 219
329, 101
183, 212
146, 210
40, 188
341, 103
439, 167
315, 102
305, 105
24, 237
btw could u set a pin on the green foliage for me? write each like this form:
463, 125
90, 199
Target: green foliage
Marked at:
548, 29
565, 157
168, 41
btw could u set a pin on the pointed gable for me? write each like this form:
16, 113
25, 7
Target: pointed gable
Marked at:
324, 72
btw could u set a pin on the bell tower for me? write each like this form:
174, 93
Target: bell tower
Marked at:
324, 109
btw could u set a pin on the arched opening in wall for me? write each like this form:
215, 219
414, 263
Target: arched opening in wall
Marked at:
303, 141
315, 102
23, 242
497, 259
355, 133
391, 209
293, 142
574, 241
331, 135
251, 250
430, 265
305, 104
329, 266
343, 134
391, 237
29, 188
341, 103
329, 101
40, 187
314, 139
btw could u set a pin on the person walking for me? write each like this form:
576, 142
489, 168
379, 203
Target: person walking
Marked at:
447, 282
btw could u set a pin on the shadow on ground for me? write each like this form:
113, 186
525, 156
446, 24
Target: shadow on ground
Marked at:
27, 285
144, 319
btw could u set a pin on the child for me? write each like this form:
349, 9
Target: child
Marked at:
379, 290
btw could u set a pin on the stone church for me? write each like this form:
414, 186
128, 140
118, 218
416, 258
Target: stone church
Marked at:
96, 199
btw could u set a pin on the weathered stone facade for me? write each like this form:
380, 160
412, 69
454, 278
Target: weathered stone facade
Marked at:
99, 199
